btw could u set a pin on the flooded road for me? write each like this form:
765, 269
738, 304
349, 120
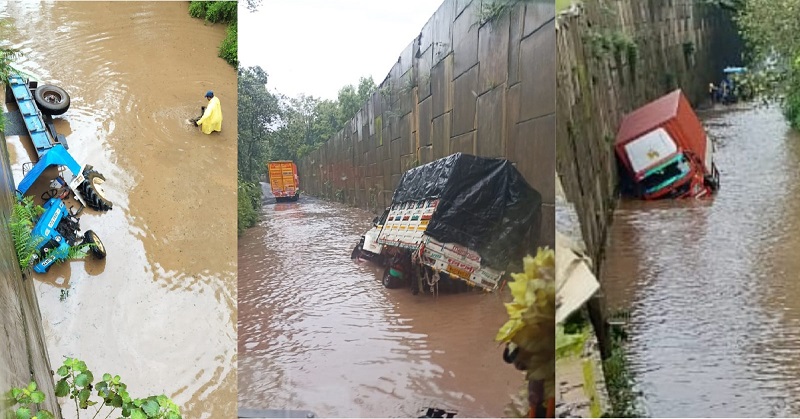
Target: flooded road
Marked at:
319, 332
160, 310
712, 286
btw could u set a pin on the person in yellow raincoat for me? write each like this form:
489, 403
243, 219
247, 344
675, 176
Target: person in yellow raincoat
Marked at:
212, 115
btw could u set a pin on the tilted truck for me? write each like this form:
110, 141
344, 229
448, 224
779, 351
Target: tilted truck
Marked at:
283, 180
664, 151
459, 219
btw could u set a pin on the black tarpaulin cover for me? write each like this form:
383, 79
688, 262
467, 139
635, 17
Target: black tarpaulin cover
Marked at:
484, 204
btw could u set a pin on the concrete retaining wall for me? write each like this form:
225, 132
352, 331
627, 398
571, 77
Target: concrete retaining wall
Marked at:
483, 89
23, 353
614, 56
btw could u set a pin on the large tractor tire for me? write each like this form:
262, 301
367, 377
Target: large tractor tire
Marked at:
92, 190
98, 250
51, 100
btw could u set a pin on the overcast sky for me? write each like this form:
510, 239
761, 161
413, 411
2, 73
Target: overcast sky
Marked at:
317, 46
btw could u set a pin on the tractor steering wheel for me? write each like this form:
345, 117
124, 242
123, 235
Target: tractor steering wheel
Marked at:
47, 195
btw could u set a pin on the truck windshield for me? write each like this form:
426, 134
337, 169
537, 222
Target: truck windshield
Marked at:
666, 174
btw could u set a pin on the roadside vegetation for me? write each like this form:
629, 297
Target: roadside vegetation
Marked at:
772, 49
220, 12
105, 395
7, 56
273, 126
619, 379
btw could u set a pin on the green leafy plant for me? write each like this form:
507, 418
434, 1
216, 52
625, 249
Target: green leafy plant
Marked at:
249, 200
23, 217
109, 395
220, 12
228, 49
7, 56
492, 11
21, 224
27, 397
569, 344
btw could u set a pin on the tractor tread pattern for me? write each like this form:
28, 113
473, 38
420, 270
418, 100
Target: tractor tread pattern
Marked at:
93, 199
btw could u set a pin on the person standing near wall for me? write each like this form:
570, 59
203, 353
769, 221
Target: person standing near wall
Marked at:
212, 115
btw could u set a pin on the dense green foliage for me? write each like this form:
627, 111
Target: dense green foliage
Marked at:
110, 393
770, 28
221, 12
273, 126
249, 199
7, 56
229, 48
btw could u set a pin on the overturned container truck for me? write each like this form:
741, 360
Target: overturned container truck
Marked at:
664, 151
457, 221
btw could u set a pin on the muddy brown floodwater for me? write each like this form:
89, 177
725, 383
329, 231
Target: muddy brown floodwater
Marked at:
319, 332
160, 310
712, 286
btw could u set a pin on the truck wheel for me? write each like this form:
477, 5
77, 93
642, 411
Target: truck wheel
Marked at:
98, 250
712, 183
390, 281
92, 191
51, 100
357, 250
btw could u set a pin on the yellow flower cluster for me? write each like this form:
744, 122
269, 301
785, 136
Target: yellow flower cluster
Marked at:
531, 326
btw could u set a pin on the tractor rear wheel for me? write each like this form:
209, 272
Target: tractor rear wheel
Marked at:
51, 100
92, 190
98, 250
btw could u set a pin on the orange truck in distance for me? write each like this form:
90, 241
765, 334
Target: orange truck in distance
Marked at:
283, 180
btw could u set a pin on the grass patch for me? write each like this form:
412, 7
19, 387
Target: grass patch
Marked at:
619, 379
590, 388
562, 5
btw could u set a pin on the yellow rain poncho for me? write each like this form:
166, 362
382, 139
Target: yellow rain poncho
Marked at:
212, 117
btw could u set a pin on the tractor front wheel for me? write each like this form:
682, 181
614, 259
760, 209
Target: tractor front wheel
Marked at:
92, 190
98, 250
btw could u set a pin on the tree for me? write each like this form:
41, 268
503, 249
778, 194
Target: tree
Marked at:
351, 99
276, 127
259, 111
770, 29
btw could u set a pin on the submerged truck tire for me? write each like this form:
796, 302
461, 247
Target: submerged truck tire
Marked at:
92, 191
357, 250
51, 100
391, 281
98, 250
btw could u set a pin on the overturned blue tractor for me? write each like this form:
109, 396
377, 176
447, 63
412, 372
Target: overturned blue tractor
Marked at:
57, 230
